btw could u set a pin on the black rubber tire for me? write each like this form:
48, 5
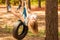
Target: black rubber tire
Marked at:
24, 31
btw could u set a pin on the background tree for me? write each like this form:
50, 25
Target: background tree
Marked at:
59, 1
29, 4
51, 19
14, 2
20, 1
39, 3
8, 4
3, 1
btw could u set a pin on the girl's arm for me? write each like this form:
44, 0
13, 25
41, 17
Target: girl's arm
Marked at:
18, 15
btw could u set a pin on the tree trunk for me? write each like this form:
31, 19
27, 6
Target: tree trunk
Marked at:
29, 4
51, 19
20, 1
8, 3
3, 1
39, 3
14, 2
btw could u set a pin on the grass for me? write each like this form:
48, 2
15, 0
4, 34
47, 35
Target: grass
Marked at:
8, 29
59, 33
41, 33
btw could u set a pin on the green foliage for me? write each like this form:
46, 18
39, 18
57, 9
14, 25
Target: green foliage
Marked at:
3, 1
14, 2
59, 1
33, 2
43, 0
0, 1
43, 3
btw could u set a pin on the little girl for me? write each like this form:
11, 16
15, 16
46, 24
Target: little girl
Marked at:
30, 19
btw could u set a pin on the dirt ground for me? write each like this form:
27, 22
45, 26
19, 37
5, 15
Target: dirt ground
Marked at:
6, 36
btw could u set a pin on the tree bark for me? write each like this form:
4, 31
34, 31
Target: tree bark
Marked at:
39, 3
20, 1
51, 19
3, 1
29, 4
7, 3
14, 2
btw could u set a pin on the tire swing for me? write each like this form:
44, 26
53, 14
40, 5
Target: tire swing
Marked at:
16, 30
17, 27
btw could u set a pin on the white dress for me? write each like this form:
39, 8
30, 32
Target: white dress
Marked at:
32, 16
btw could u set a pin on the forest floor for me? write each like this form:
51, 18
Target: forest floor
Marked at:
41, 16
